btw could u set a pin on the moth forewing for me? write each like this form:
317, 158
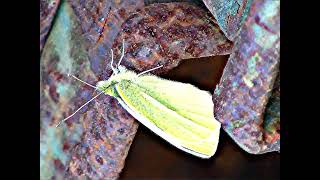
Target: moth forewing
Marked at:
163, 134
179, 130
185, 99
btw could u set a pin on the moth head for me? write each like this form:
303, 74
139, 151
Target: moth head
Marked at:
103, 85
106, 87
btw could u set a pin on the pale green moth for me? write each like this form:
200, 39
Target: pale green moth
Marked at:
179, 113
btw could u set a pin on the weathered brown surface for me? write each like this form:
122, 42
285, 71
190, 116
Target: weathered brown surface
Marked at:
48, 10
196, 2
94, 143
105, 144
230, 14
248, 80
166, 33
272, 117
100, 21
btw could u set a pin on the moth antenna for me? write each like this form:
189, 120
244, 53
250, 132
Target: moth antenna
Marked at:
149, 70
79, 109
122, 53
113, 69
82, 81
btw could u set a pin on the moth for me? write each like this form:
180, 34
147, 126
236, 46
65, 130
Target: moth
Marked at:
180, 113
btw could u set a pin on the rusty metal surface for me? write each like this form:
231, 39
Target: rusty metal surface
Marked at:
100, 22
94, 143
272, 118
166, 33
196, 2
230, 14
48, 10
248, 80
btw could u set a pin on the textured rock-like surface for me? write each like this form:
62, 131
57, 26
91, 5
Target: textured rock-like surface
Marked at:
230, 14
248, 80
166, 33
272, 118
148, 2
100, 22
48, 9
94, 143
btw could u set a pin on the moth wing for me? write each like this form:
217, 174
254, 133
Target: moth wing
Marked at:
167, 116
186, 99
